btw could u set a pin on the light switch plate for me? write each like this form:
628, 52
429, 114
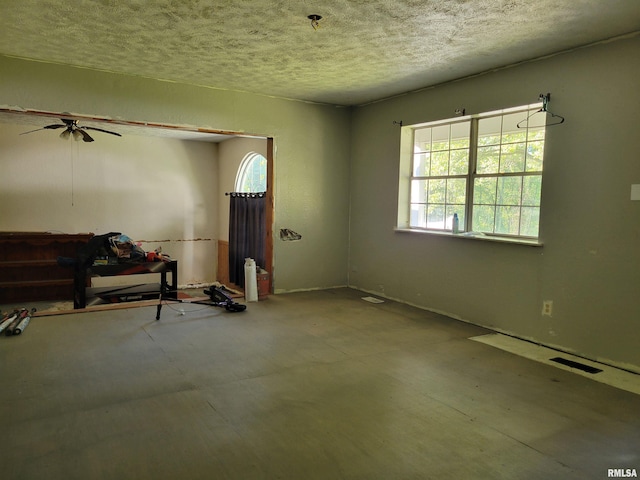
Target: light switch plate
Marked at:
635, 192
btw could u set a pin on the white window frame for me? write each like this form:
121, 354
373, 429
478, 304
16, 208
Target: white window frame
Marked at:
407, 177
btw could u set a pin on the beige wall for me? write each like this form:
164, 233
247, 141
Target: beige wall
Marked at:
590, 263
311, 149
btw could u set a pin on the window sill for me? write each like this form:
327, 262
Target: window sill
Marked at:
473, 236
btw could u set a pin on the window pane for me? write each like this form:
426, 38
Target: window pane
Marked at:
531, 190
510, 131
489, 131
507, 220
488, 160
437, 191
252, 174
509, 190
484, 191
418, 216
460, 133
434, 200
255, 179
421, 165
512, 158
435, 216
418, 191
456, 190
422, 140
535, 133
535, 152
459, 162
439, 163
440, 140
483, 218
530, 222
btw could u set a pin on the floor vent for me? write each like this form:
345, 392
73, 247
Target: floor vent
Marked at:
578, 365
609, 375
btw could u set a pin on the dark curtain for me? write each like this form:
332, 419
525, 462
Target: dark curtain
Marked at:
246, 232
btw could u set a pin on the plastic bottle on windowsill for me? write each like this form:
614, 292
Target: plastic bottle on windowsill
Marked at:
455, 224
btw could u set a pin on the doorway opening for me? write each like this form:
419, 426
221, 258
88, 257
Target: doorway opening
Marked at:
192, 134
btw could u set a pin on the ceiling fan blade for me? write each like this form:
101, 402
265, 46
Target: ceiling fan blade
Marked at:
47, 127
101, 130
85, 136
31, 131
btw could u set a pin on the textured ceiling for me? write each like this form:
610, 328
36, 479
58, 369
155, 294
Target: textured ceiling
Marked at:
364, 50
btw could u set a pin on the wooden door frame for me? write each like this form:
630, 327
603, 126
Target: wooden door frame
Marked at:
269, 215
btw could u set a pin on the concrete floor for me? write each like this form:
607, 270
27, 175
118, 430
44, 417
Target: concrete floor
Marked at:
315, 385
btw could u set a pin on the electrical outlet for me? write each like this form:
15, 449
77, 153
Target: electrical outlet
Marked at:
547, 307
